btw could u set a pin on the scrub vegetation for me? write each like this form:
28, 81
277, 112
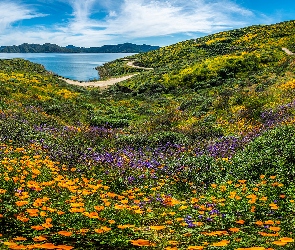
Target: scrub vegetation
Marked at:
198, 153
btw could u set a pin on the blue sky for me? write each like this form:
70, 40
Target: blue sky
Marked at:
158, 22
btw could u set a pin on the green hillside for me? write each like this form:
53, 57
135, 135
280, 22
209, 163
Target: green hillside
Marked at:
198, 153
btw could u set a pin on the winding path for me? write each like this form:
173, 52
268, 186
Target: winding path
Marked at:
131, 64
290, 53
112, 81
106, 83
101, 84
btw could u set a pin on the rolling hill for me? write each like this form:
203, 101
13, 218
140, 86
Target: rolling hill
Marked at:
198, 153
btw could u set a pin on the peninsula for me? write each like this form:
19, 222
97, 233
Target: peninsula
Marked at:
53, 48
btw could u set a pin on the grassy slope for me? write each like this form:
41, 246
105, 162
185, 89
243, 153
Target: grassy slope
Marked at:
202, 146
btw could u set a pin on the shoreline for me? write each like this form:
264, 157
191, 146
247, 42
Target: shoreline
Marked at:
101, 84
105, 83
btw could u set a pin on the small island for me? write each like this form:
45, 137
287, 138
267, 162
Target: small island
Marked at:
53, 48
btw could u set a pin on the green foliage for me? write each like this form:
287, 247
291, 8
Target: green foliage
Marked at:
210, 60
272, 153
199, 150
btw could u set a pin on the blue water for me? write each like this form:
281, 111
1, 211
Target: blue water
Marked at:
79, 67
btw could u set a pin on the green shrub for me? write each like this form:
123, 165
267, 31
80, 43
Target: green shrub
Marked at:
272, 153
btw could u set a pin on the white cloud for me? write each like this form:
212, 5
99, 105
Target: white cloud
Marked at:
132, 19
124, 20
13, 12
139, 18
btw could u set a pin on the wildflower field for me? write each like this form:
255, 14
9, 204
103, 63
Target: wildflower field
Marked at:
198, 153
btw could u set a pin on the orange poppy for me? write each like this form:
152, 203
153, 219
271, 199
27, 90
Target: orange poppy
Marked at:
252, 248
39, 238
47, 246
286, 239
221, 243
268, 234
84, 230
157, 227
65, 233
269, 222
37, 227
123, 226
141, 242
22, 218
234, 229
275, 229
138, 211
47, 225
32, 210
98, 230
18, 247
21, 203
9, 244
99, 208
64, 247
279, 243
106, 229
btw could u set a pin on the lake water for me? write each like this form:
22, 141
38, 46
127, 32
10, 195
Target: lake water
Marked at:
78, 66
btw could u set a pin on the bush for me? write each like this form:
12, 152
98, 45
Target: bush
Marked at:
272, 153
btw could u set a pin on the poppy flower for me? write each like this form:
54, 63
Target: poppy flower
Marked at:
64, 247
47, 246
275, 229
21, 203
286, 239
195, 248
157, 227
221, 243
240, 221
234, 229
39, 238
65, 233
141, 242
37, 227
279, 243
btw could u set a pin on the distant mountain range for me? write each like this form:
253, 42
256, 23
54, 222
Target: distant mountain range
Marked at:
53, 48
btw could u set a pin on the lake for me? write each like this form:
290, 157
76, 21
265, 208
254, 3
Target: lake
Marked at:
78, 66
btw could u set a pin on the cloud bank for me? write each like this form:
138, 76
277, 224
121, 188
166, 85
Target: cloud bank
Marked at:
92, 23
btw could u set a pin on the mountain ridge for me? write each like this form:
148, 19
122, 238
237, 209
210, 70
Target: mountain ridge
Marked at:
53, 48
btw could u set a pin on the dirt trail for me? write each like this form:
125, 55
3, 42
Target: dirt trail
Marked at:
112, 81
106, 83
131, 64
290, 53
101, 84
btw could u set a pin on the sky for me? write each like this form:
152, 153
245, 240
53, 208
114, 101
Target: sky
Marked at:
92, 23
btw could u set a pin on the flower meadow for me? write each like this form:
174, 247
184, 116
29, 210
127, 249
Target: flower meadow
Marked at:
196, 154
